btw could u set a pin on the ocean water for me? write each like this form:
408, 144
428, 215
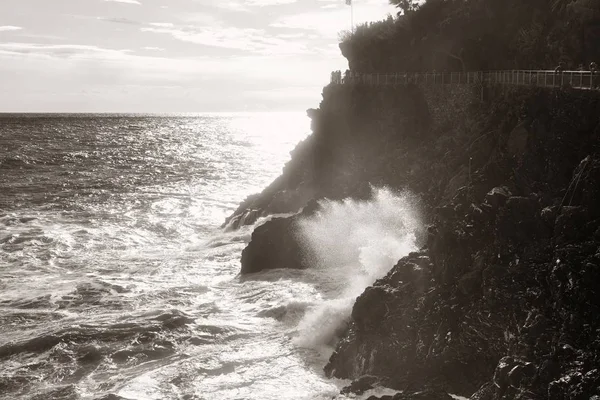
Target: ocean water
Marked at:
116, 278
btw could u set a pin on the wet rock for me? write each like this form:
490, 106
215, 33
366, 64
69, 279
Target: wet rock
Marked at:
497, 197
549, 214
274, 245
372, 307
485, 392
470, 283
517, 141
423, 395
247, 217
505, 365
361, 385
569, 225
518, 223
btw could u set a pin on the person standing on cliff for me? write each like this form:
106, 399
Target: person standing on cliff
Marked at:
593, 78
560, 68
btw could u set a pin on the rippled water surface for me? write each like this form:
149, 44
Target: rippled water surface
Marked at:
116, 278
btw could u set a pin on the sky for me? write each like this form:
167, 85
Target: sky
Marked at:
172, 55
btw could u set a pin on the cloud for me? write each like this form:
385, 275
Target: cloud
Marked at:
328, 22
62, 51
243, 39
162, 24
264, 3
150, 48
136, 2
120, 20
9, 28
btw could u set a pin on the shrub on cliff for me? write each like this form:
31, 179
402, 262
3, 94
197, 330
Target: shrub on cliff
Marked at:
477, 35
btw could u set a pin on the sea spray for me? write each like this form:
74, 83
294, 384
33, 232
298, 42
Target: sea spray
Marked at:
351, 244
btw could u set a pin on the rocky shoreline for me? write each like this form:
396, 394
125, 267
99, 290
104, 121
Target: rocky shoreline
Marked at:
501, 302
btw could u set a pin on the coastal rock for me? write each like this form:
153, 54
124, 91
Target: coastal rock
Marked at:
361, 385
422, 395
502, 300
497, 197
274, 245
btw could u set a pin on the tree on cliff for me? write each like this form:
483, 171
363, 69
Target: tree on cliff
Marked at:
477, 35
406, 5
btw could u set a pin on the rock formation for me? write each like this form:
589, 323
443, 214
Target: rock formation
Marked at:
502, 301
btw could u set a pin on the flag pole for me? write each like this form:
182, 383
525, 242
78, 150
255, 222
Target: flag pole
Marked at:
352, 15
351, 4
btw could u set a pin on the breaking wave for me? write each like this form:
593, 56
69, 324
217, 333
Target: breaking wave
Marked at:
351, 244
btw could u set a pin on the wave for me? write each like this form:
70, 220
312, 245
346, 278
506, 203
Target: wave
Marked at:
351, 244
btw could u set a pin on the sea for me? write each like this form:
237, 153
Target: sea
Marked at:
118, 280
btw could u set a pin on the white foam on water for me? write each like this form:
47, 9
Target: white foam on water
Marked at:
351, 244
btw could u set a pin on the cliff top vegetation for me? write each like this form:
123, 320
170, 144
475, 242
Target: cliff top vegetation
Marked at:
457, 35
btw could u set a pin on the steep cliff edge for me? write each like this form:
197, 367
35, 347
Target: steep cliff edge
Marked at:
502, 298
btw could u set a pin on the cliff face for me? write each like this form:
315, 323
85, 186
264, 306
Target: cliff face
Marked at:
502, 298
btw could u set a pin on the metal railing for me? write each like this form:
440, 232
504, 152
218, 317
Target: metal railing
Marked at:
544, 78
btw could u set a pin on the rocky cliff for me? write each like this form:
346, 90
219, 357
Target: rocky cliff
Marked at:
502, 299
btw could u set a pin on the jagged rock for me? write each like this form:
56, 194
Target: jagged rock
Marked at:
361, 385
273, 245
569, 225
372, 307
470, 283
518, 222
501, 374
511, 270
497, 197
247, 217
422, 395
517, 141
486, 392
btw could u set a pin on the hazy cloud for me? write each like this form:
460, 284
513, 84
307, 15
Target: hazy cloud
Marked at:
120, 20
8, 28
171, 55
136, 2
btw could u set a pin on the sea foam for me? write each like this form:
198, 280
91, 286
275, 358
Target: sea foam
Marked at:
351, 244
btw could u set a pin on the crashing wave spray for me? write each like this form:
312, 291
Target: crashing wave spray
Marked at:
352, 244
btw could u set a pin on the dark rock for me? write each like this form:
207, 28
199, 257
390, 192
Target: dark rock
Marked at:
361, 385
505, 365
549, 215
424, 395
569, 225
274, 245
517, 141
507, 271
516, 375
497, 197
518, 222
470, 283
372, 307
486, 392
247, 217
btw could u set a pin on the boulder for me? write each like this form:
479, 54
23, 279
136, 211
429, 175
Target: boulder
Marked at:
497, 197
361, 385
274, 245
